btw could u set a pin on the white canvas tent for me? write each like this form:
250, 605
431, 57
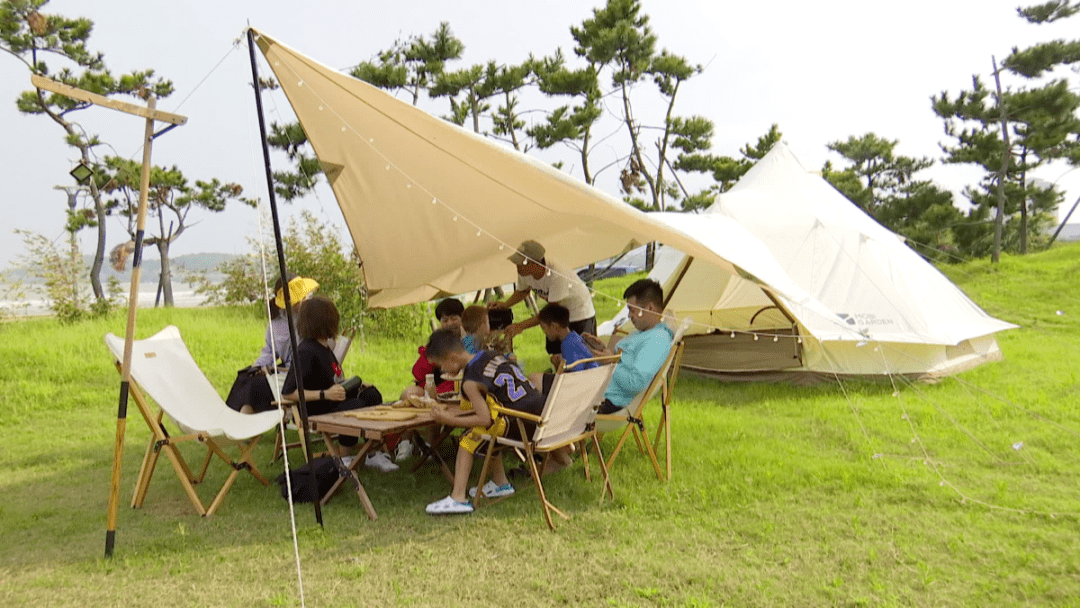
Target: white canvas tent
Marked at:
909, 319
435, 210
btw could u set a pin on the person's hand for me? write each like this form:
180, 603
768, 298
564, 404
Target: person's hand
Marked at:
335, 393
595, 346
512, 330
496, 305
439, 413
556, 361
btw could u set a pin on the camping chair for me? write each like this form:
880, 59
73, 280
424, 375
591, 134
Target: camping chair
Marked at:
162, 367
292, 408
631, 419
568, 418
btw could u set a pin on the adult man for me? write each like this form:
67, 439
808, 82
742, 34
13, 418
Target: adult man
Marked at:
553, 284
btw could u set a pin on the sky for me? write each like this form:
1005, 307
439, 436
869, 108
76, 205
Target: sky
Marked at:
823, 71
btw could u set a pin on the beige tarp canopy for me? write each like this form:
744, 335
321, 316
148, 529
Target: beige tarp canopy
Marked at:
435, 210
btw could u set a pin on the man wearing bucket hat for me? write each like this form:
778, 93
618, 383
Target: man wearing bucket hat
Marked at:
251, 392
553, 284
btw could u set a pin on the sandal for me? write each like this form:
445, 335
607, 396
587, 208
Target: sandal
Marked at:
449, 506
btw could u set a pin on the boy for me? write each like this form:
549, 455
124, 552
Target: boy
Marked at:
477, 329
555, 321
643, 353
448, 312
488, 378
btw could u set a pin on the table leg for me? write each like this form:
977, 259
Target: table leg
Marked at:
364, 500
432, 451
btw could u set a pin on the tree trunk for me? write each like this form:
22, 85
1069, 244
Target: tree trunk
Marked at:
1023, 205
99, 251
166, 273
1003, 173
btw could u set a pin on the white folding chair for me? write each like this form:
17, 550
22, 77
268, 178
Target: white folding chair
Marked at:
631, 419
567, 418
162, 367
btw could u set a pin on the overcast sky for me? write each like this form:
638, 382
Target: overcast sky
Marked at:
822, 70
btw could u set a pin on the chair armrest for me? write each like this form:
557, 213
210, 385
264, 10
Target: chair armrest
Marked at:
515, 413
605, 360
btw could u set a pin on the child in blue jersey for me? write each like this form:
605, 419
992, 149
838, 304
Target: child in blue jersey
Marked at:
643, 353
488, 379
555, 321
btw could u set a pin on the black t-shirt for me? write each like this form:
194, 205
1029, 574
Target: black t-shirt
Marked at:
504, 381
318, 367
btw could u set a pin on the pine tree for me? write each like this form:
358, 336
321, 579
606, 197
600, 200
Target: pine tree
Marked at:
32, 36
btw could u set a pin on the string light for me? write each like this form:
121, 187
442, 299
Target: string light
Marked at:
776, 338
732, 335
479, 232
755, 337
455, 218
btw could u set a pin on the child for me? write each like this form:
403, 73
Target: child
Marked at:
477, 329
448, 312
555, 321
489, 378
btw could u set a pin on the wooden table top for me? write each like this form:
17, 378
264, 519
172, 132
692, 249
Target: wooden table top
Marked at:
342, 424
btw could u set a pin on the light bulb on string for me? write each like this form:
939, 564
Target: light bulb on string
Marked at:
479, 232
387, 167
343, 128
434, 200
455, 218
408, 185
776, 338
732, 335
320, 108
755, 337
501, 247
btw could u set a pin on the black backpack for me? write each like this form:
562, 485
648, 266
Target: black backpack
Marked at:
304, 487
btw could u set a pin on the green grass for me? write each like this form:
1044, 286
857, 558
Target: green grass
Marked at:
777, 497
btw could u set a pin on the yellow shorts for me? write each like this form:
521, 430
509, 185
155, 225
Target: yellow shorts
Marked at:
472, 440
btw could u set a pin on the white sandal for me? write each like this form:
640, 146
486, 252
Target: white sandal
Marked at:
449, 506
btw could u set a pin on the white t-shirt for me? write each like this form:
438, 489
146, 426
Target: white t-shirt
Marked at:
559, 286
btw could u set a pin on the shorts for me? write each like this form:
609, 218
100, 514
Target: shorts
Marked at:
472, 439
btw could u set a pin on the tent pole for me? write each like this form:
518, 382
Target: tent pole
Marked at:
281, 264
682, 273
133, 308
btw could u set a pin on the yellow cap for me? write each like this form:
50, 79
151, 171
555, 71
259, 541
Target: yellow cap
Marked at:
299, 288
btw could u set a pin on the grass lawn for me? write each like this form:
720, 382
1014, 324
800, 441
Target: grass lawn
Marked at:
860, 494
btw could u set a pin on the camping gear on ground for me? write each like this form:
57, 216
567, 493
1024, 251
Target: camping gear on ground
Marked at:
307, 487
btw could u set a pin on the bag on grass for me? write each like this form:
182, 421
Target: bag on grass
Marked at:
306, 489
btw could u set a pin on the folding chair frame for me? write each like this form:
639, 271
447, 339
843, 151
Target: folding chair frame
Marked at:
635, 422
531, 449
161, 440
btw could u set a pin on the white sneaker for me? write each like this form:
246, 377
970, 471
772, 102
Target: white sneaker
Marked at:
404, 450
379, 460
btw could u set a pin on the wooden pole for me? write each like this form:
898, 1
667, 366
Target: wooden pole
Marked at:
1003, 172
133, 307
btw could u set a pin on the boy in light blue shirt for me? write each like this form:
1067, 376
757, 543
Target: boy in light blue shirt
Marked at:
643, 353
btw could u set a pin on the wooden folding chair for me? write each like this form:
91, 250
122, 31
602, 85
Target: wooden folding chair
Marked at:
567, 418
162, 367
631, 420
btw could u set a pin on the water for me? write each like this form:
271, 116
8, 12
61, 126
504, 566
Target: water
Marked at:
35, 305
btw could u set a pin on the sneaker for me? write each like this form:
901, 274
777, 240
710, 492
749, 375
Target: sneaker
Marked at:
449, 506
404, 450
493, 491
379, 460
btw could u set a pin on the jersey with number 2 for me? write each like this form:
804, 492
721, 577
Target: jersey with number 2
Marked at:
505, 382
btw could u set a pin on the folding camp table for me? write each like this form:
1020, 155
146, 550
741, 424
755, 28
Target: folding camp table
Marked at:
372, 432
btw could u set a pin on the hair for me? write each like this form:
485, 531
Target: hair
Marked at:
473, 318
448, 308
645, 291
274, 310
319, 319
555, 314
442, 343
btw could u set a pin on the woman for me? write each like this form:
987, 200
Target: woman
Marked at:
322, 376
251, 392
